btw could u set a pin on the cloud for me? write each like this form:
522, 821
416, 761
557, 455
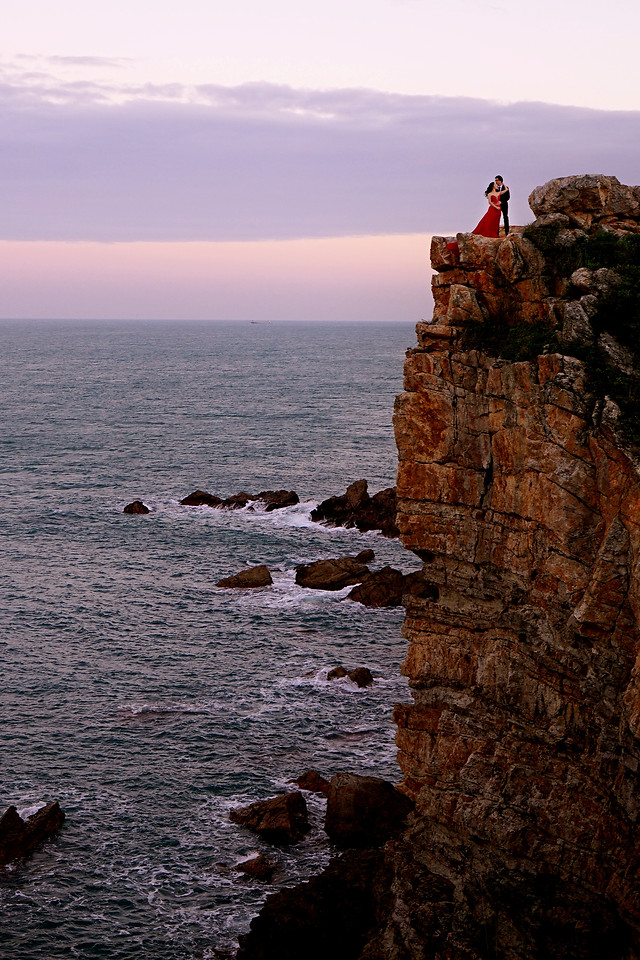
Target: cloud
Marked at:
89, 161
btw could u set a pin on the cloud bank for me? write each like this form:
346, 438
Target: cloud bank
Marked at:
83, 161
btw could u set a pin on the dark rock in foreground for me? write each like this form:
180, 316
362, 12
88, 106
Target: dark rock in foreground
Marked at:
356, 508
331, 574
248, 579
137, 506
281, 819
313, 781
364, 811
361, 676
259, 867
20, 837
327, 917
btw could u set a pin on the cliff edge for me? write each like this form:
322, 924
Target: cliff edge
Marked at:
519, 489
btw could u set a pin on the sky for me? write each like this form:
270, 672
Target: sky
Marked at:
196, 160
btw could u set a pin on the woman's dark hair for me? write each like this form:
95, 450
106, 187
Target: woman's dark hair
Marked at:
489, 189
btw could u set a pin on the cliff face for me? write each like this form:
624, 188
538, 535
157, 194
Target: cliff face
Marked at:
522, 744
519, 488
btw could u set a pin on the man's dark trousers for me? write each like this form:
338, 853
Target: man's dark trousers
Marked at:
504, 206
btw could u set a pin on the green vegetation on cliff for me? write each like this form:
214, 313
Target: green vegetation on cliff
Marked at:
616, 312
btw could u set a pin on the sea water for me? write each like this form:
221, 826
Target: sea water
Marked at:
143, 698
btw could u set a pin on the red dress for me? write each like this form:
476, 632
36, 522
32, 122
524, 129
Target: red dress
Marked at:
489, 226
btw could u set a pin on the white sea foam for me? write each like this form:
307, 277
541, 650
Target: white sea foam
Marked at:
29, 810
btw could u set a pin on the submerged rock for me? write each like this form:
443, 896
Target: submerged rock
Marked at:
20, 837
364, 811
248, 579
137, 506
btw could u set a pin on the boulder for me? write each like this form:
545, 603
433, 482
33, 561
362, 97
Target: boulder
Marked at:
364, 812
199, 498
587, 201
281, 819
137, 506
382, 588
313, 781
277, 499
356, 508
253, 577
20, 837
236, 501
387, 588
361, 676
258, 867
337, 673
365, 556
330, 574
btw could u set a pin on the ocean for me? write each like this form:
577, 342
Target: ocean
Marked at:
143, 698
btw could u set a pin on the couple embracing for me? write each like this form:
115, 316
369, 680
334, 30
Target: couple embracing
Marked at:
497, 193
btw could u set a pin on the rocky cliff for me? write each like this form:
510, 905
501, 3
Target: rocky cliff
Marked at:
519, 489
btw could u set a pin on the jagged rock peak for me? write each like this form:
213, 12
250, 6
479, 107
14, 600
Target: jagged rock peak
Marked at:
589, 201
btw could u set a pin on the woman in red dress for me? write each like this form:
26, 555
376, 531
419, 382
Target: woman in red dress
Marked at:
489, 226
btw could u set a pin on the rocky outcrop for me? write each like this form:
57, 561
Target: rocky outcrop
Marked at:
248, 579
522, 743
356, 508
19, 837
520, 492
281, 819
329, 916
361, 676
270, 500
136, 507
364, 811
333, 574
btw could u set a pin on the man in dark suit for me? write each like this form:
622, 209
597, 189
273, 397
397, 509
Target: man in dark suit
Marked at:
505, 196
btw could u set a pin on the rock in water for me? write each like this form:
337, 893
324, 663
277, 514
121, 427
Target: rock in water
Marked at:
357, 509
313, 781
20, 837
259, 867
277, 499
137, 506
364, 811
280, 820
253, 577
330, 574
199, 498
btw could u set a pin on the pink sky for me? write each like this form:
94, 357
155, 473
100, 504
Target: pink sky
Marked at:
347, 278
